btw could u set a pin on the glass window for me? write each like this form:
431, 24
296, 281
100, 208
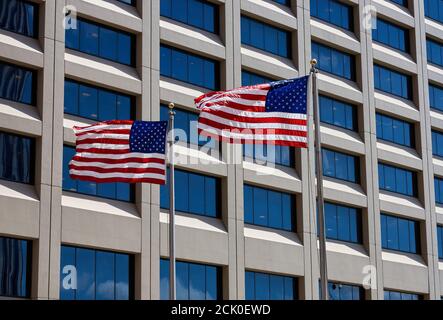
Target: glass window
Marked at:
437, 143
438, 186
19, 16
185, 123
400, 234
197, 13
393, 82
339, 291
116, 191
283, 2
337, 113
268, 208
102, 41
395, 130
194, 281
17, 154
397, 295
333, 61
334, 12
342, 223
397, 180
434, 52
436, 97
96, 103
130, 2
265, 37
403, 3
391, 35
87, 274
17, 84
440, 242
341, 166
264, 286
15, 268
434, 9
187, 67
195, 193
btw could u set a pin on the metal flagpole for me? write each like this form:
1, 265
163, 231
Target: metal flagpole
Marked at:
319, 173
172, 273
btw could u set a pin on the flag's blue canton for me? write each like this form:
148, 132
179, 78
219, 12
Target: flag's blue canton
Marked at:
288, 96
148, 137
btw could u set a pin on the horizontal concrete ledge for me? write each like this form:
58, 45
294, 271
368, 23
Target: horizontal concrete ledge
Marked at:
281, 178
90, 221
189, 38
198, 238
20, 118
400, 205
180, 93
19, 210
270, 12
83, 67
398, 267
274, 251
111, 13
19, 49
403, 156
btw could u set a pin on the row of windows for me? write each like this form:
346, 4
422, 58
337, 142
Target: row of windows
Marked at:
400, 234
334, 61
395, 130
269, 208
391, 35
89, 274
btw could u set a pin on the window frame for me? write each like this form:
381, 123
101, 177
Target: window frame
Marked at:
35, 88
417, 233
132, 98
352, 58
133, 53
35, 22
131, 269
414, 179
411, 132
357, 165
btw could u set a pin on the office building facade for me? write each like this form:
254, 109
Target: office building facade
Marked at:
245, 230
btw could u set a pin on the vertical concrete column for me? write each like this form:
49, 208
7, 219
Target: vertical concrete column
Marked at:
232, 189
41, 248
143, 191
57, 146
367, 123
154, 57
429, 229
308, 287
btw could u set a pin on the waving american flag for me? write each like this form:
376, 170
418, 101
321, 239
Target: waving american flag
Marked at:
120, 151
272, 113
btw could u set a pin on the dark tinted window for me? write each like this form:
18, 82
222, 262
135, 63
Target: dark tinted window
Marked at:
17, 84
265, 37
188, 67
343, 223
338, 113
96, 103
396, 295
197, 13
391, 35
434, 9
195, 193
101, 275
19, 16
334, 12
194, 281
264, 286
334, 61
436, 97
15, 268
339, 291
395, 130
438, 186
397, 180
434, 52
341, 166
17, 154
268, 208
102, 41
393, 82
400, 234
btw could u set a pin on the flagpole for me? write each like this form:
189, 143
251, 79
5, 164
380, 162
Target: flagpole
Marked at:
319, 173
172, 273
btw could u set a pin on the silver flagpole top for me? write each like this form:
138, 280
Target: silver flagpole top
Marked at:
313, 63
171, 108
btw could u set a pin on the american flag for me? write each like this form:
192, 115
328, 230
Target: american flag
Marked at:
120, 151
272, 113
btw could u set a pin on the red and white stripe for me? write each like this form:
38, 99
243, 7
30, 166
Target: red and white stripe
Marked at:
239, 116
103, 155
